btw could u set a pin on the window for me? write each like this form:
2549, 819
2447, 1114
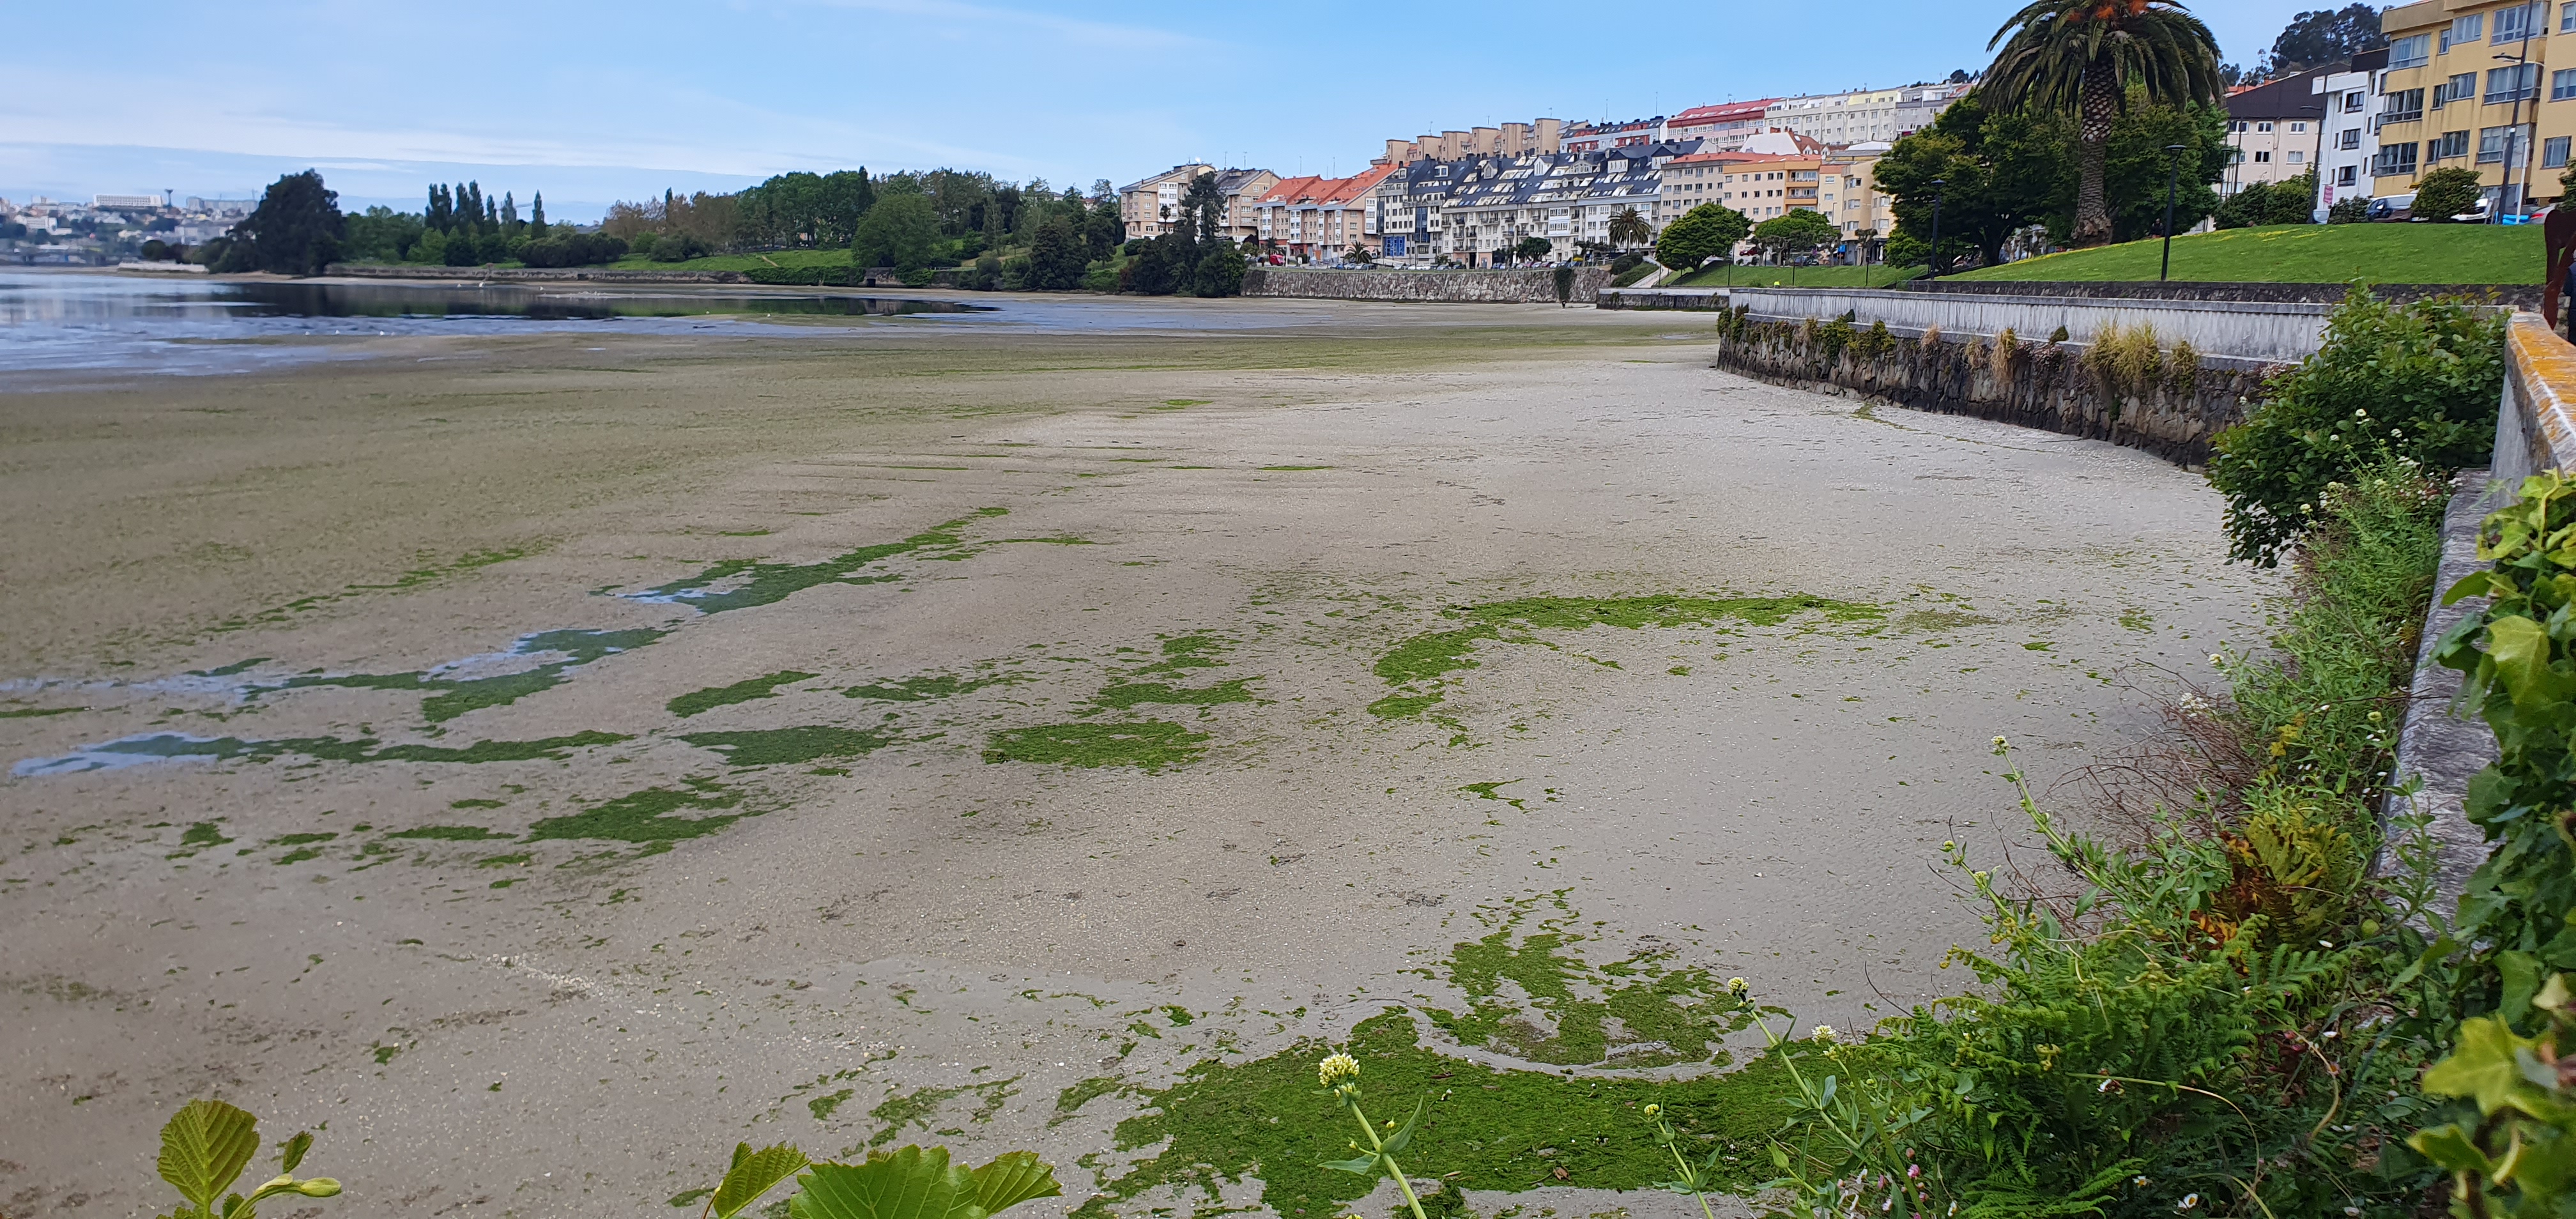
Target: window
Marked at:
2513, 83
2347, 175
2562, 84
2404, 106
2516, 23
2263, 158
2297, 156
2394, 160
2553, 152
2348, 140
2498, 144
2262, 126
2452, 144
2414, 51
2354, 101
2465, 29
2459, 88
2298, 126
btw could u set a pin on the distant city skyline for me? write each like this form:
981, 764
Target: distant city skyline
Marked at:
591, 107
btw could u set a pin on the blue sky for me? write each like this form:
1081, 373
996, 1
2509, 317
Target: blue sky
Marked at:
595, 102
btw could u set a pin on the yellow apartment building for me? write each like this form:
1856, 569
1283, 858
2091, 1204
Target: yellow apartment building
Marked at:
2479, 84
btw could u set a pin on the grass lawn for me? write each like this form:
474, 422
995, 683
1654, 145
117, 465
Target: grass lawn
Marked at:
2308, 254
739, 262
1806, 277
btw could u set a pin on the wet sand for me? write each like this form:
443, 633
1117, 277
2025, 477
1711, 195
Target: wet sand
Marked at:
1233, 672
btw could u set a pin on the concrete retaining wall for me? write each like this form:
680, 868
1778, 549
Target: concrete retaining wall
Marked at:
2437, 750
1700, 299
875, 277
2519, 296
2042, 385
2280, 332
1533, 285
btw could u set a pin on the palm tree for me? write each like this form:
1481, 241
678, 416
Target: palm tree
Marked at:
2082, 58
1627, 228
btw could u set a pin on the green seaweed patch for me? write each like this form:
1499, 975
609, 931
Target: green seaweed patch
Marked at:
1529, 996
1187, 401
413, 578
1197, 650
449, 833
452, 697
1429, 657
1150, 745
363, 749
928, 686
1494, 791
29, 713
203, 834
645, 816
1082, 1092
1119, 696
766, 686
1293, 469
749, 583
1403, 706
792, 746
822, 1106
919, 1109
1482, 1128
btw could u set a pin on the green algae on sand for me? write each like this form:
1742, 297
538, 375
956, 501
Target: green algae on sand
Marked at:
1483, 1128
644, 816
1420, 665
766, 686
749, 582
792, 746
1150, 745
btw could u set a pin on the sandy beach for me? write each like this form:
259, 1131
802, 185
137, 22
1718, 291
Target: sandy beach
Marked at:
550, 759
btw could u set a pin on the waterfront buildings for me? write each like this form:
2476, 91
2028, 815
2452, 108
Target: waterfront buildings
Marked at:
2490, 87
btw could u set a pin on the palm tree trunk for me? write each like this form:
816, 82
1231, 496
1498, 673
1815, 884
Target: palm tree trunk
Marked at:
2101, 105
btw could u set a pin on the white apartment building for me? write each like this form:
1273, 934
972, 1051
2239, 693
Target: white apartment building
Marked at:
1863, 115
2350, 128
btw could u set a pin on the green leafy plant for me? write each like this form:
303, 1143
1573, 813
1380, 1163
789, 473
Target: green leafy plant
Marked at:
2518, 1157
204, 1149
2446, 192
2418, 381
907, 1184
1341, 1074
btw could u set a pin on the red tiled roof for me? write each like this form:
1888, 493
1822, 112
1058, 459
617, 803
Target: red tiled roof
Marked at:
1698, 115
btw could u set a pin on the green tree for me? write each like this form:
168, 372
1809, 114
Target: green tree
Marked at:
1102, 229
1708, 231
1152, 273
1796, 233
2135, 167
2445, 193
1057, 258
2000, 173
1628, 228
1220, 270
537, 217
2089, 60
381, 234
1531, 249
297, 228
898, 232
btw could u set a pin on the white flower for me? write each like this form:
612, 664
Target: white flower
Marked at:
2188, 1202
1738, 987
1336, 1068
1825, 1033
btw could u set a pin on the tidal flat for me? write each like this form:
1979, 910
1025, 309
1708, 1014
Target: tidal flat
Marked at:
539, 762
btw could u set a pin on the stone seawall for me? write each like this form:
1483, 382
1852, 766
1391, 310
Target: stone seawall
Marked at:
2173, 412
830, 277
1534, 285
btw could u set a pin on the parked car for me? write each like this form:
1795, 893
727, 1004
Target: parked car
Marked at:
2393, 207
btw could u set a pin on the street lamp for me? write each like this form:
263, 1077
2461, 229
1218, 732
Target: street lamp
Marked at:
2513, 127
2173, 179
1932, 261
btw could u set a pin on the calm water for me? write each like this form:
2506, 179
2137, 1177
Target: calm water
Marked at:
51, 322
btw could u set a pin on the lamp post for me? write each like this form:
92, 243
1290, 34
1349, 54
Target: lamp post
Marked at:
1932, 260
2173, 179
2513, 127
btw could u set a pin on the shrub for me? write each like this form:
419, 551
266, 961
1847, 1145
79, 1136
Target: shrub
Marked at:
678, 247
2445, 193
2419, 381
573, 250
2125, 361
1220, 271
204, 1149
2351, 209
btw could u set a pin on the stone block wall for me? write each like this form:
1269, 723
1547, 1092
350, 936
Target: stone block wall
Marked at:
2041, 385
1533, 285
2519, 296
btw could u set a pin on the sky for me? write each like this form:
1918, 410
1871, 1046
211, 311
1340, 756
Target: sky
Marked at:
591, 103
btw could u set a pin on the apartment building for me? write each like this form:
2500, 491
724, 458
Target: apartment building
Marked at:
1595, 137
1720, 128
1150, 207
1849, 194
1412, 204
2349, 136
2481, 85
1319, 219
2275, 129
1537, 137
1243, 190
1862, 115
